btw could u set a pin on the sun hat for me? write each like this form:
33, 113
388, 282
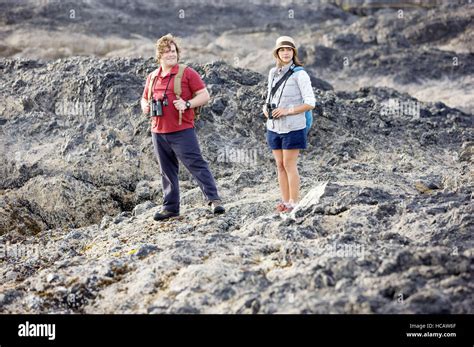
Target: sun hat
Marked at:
284, 41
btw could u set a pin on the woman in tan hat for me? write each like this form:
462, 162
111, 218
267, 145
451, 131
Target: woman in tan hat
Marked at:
290, 95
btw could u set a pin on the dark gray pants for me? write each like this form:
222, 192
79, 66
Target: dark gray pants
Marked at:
182, 145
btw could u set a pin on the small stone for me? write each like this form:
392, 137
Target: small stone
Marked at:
106, 220
146, 250
142, 208
51, 277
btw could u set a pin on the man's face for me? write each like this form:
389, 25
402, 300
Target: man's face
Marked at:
170, 56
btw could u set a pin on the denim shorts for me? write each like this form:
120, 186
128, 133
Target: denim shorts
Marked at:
292, 140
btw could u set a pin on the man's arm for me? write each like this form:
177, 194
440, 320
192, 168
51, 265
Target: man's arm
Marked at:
145, 106
201, 98
143, 101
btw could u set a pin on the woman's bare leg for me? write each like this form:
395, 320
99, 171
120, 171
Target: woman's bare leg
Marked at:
290, 158
282, 176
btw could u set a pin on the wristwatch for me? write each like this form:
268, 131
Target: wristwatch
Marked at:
188, 105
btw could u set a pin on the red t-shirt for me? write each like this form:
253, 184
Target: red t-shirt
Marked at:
190, 83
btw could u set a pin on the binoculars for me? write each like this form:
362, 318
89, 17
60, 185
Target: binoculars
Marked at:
270, 108
156, 108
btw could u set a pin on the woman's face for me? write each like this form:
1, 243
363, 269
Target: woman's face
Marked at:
170, 56
285, 54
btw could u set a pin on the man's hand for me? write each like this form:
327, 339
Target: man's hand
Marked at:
145, 106
179, 104
280, 112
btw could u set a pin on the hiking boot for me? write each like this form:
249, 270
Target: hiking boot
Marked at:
216, 207
164, 214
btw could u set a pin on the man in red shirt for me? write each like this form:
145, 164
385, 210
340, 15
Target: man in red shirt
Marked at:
173, 133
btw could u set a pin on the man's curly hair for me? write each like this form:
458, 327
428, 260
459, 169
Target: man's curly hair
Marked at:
163, 44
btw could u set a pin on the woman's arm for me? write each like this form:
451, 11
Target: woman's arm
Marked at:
280, 112
309, 101
264, 110
269, 87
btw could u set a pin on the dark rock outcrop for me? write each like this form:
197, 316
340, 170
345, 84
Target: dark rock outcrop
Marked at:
385, 224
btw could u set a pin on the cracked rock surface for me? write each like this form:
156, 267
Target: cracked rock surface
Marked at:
385, 224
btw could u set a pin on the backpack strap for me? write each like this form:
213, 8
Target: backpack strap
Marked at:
177, 80
308, 114
177, 87
153, 76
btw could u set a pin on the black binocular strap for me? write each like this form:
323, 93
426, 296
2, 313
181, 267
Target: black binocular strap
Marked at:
280, 82
166, 89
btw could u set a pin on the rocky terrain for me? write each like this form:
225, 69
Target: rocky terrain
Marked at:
424, 48
385, 224
386, 220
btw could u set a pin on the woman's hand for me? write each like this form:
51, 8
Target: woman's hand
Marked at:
264, 109
279, 112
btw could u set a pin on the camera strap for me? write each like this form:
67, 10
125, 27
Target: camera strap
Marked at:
280, 82
166, 89
151, 85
